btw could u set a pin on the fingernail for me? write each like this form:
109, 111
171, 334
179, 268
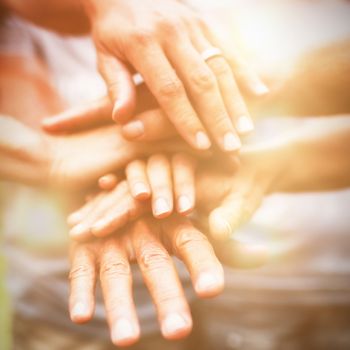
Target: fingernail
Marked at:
74, 218
133, 129
116, 108
78, 230
79, 310
206, 282
140, 189
259, 88
184, 204
161, 207
231, 142
202, 140
173, 323
244, 124
220, 226
123, 330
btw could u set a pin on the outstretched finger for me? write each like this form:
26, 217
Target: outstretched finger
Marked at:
82, 283
194, 249
136, 176
116, 283
162, 281
159, 176
120, 86
183, 167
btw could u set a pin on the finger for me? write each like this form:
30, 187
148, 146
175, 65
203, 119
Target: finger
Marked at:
149, 126
82, 284
108, 182
204, 90
82, 117
119, 215
79, 215
170, 93
116, 283
162, 281
235, 210
183, 167
230, 93
98, 209
136, 176
159, 177
191, 246
120, 86
246, 76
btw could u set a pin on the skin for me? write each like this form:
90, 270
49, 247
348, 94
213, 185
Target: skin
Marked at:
235, 195
202, 99
142, 33
259, 176
149, 244
29, 156
167, 179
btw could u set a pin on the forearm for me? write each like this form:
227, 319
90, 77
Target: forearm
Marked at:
314, 157
317, 85
23, 153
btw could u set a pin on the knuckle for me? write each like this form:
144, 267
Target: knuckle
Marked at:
170, 87
220, 67
169, 25
169, 296
184, 186
182, 158
153, 258
141, 37
80, 271
187, 238
222, 122
162, 188
202, 79
115, 269
158, 158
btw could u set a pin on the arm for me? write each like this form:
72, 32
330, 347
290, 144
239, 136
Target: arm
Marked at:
313, 157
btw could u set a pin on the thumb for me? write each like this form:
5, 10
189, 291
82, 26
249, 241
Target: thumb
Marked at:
120, 86
81, 117
152, 125
235, 210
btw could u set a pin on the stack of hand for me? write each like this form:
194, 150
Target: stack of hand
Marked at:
170, 169
192, 75
141, 212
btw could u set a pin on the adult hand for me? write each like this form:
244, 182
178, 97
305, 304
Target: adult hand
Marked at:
232, 199
149, 243
166, 42
78, 160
